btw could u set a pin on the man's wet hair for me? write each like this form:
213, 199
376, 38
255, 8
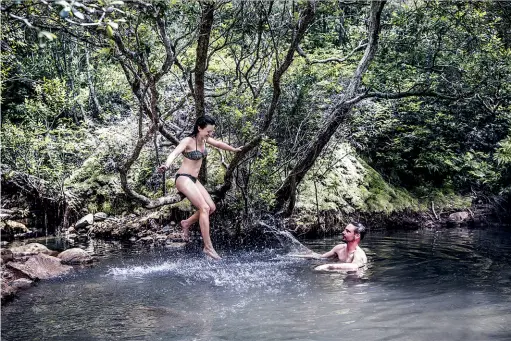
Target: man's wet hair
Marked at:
360, 229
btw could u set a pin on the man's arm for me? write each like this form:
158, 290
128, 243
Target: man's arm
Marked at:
337, 266
333, 252
312, 255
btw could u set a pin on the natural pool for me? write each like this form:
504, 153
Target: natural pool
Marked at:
419, 285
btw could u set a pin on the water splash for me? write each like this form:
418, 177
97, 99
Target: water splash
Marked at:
241, 273
285, 238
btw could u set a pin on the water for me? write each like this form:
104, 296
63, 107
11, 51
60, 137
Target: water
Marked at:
424, 285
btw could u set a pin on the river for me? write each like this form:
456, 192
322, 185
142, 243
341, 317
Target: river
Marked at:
452, 284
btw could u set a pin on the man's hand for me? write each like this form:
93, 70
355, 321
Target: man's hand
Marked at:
337, 267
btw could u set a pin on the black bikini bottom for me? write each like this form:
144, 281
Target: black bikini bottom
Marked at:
191, 177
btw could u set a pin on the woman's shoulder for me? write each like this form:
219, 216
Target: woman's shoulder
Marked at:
187, 139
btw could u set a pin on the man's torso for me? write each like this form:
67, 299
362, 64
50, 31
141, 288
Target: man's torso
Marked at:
358, 256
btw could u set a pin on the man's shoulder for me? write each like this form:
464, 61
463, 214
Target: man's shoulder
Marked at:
360, 250
360, 253
341, 246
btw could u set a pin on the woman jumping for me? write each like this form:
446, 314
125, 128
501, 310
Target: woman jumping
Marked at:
194, 150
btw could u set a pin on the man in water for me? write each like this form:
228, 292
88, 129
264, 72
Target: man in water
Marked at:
349, 254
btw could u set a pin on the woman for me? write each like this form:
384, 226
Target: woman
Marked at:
194, 150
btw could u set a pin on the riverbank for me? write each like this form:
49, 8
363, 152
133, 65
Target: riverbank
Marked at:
24, 265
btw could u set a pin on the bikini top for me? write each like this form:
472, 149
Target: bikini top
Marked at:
196, 154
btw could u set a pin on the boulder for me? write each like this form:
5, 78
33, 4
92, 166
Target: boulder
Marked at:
21, 283
16, 227
8, 292
100, 216
75, 256
7, 255
458, 217
41, 266
31, 249
85, 222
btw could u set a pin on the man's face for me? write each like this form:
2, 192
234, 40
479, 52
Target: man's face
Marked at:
349, 235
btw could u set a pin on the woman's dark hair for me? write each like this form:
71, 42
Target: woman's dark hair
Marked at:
202, 122
360, 229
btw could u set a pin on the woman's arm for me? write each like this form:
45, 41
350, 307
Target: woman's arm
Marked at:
181, 147
222, 145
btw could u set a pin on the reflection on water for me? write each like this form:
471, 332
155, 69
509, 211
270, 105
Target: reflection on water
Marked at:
424, 285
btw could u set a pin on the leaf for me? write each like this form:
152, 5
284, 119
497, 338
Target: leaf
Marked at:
63, 3
109, 31
78, 14
113, 25
48, 35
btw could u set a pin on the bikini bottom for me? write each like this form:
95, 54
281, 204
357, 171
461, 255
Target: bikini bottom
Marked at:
191, 177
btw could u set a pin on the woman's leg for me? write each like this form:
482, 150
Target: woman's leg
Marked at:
185, 224
192, 192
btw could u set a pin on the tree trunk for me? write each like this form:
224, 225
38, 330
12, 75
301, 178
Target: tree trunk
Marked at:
288, 189
342, 110
94, 103
300, 29
206, 25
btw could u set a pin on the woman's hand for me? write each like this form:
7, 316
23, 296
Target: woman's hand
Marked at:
162, 169
236, 150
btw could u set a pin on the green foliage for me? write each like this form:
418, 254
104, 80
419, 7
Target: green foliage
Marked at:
264, 179
49, 154
503, 154
49, 106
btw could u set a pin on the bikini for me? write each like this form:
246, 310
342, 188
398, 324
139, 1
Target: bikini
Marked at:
193, 155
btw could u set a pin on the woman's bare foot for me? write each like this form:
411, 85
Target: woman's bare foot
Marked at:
211, 253
186, 230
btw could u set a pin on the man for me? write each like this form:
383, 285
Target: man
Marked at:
349, 254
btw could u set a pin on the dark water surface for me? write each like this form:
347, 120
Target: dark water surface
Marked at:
421, 285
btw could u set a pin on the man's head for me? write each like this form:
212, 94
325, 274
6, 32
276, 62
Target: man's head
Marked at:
354, 232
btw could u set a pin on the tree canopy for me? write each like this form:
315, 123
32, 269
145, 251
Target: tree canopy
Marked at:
421, 89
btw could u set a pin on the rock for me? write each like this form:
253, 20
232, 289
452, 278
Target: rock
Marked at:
4, 243
41, 266
71, 236
75, 256
161, 237
71, 230
85, 222
147, 239
31, 249
8, 292
458, 217
21, 283
100, 216
16, 227
7, 255
175, 236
